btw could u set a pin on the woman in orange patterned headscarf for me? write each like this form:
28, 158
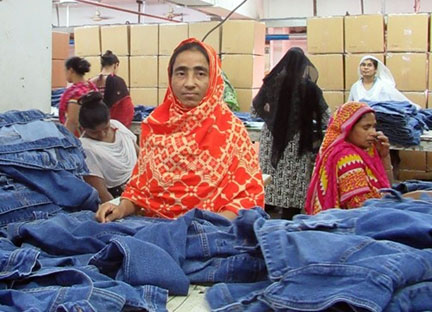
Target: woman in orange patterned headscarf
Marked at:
194, 152
349, 168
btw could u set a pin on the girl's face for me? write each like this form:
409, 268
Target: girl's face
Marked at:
99, 133
367, 68
363, 134
69, 72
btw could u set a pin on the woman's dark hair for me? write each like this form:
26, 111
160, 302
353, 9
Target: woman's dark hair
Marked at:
78, 64
374, 62
93, 110
109, 58
194, 46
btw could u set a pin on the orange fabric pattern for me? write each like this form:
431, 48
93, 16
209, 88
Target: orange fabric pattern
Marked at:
195, 158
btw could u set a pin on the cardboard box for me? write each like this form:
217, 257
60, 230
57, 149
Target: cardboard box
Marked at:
429, 100
412, 160
429, 161
58, 74
346, 96
419, 98
144, 39
245, 97
325, 35
95, 67
364, 33
116, 39
163, 71
87, 41
244, 71
407, 32
352, 62
331, 70
60, 45
144, 96
143, 71
334, 99
412, 174
123, 70
409, 70
170, 36
161, 94
243, 37
199, 30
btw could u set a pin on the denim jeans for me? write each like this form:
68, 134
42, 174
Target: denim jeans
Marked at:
412, 185
323, 261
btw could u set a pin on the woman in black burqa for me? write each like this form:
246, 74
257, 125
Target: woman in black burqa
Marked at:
295, 113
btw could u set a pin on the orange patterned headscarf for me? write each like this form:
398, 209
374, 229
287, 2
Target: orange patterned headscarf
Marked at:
195, 158
324, 190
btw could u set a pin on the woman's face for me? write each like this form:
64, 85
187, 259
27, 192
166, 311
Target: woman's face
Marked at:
99, 133
69, 72
190, 77
363, 134
367, 68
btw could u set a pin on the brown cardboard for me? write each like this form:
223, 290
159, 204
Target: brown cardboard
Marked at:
245, 97
161, 94
409, 70
243, 37
412, 160
430, 74
364, 33
60, 45
116, 39
163, 71
331, 70
123, 70
244, 71
428, 161
413, 174
95, 67
143, 71
407, 32
58, 74
334, 99
87, 41
419, 98
346, 96
352, 62
144, 39
429, 100
170, 35
199, 30
144, 96
325, 34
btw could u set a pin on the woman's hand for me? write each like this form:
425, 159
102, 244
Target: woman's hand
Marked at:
382, 145
108, 212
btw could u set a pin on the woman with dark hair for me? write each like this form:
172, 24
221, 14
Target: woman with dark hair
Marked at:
110, 147
194, 152
295, 113
76, 68
114, 89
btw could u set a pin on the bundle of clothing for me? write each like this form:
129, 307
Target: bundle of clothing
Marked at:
41, 168
400, 121
374, 258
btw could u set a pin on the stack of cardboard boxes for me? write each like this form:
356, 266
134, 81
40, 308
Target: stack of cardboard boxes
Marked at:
144, 52
243, 58
60, 52
402, 46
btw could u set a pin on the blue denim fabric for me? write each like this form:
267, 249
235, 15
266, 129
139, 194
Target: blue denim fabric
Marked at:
417, 297
142, 112
20, 117
400, 121
426, 114
61, 187
412, 185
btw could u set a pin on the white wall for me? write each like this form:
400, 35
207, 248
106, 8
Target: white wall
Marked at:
25, 49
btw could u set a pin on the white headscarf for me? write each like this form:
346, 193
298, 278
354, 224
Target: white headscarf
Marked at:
382, 71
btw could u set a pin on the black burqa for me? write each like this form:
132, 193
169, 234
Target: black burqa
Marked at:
289, 101
115, 90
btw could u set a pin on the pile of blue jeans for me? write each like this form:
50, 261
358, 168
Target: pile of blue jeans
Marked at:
400, 121
374, 258
41, 168
56, 95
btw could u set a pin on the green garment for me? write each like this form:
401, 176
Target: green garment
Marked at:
230, 95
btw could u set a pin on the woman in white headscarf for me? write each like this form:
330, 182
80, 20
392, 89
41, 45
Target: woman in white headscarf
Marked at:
376, 83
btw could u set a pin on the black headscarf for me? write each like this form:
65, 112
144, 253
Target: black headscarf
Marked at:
115, 90
289, 101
